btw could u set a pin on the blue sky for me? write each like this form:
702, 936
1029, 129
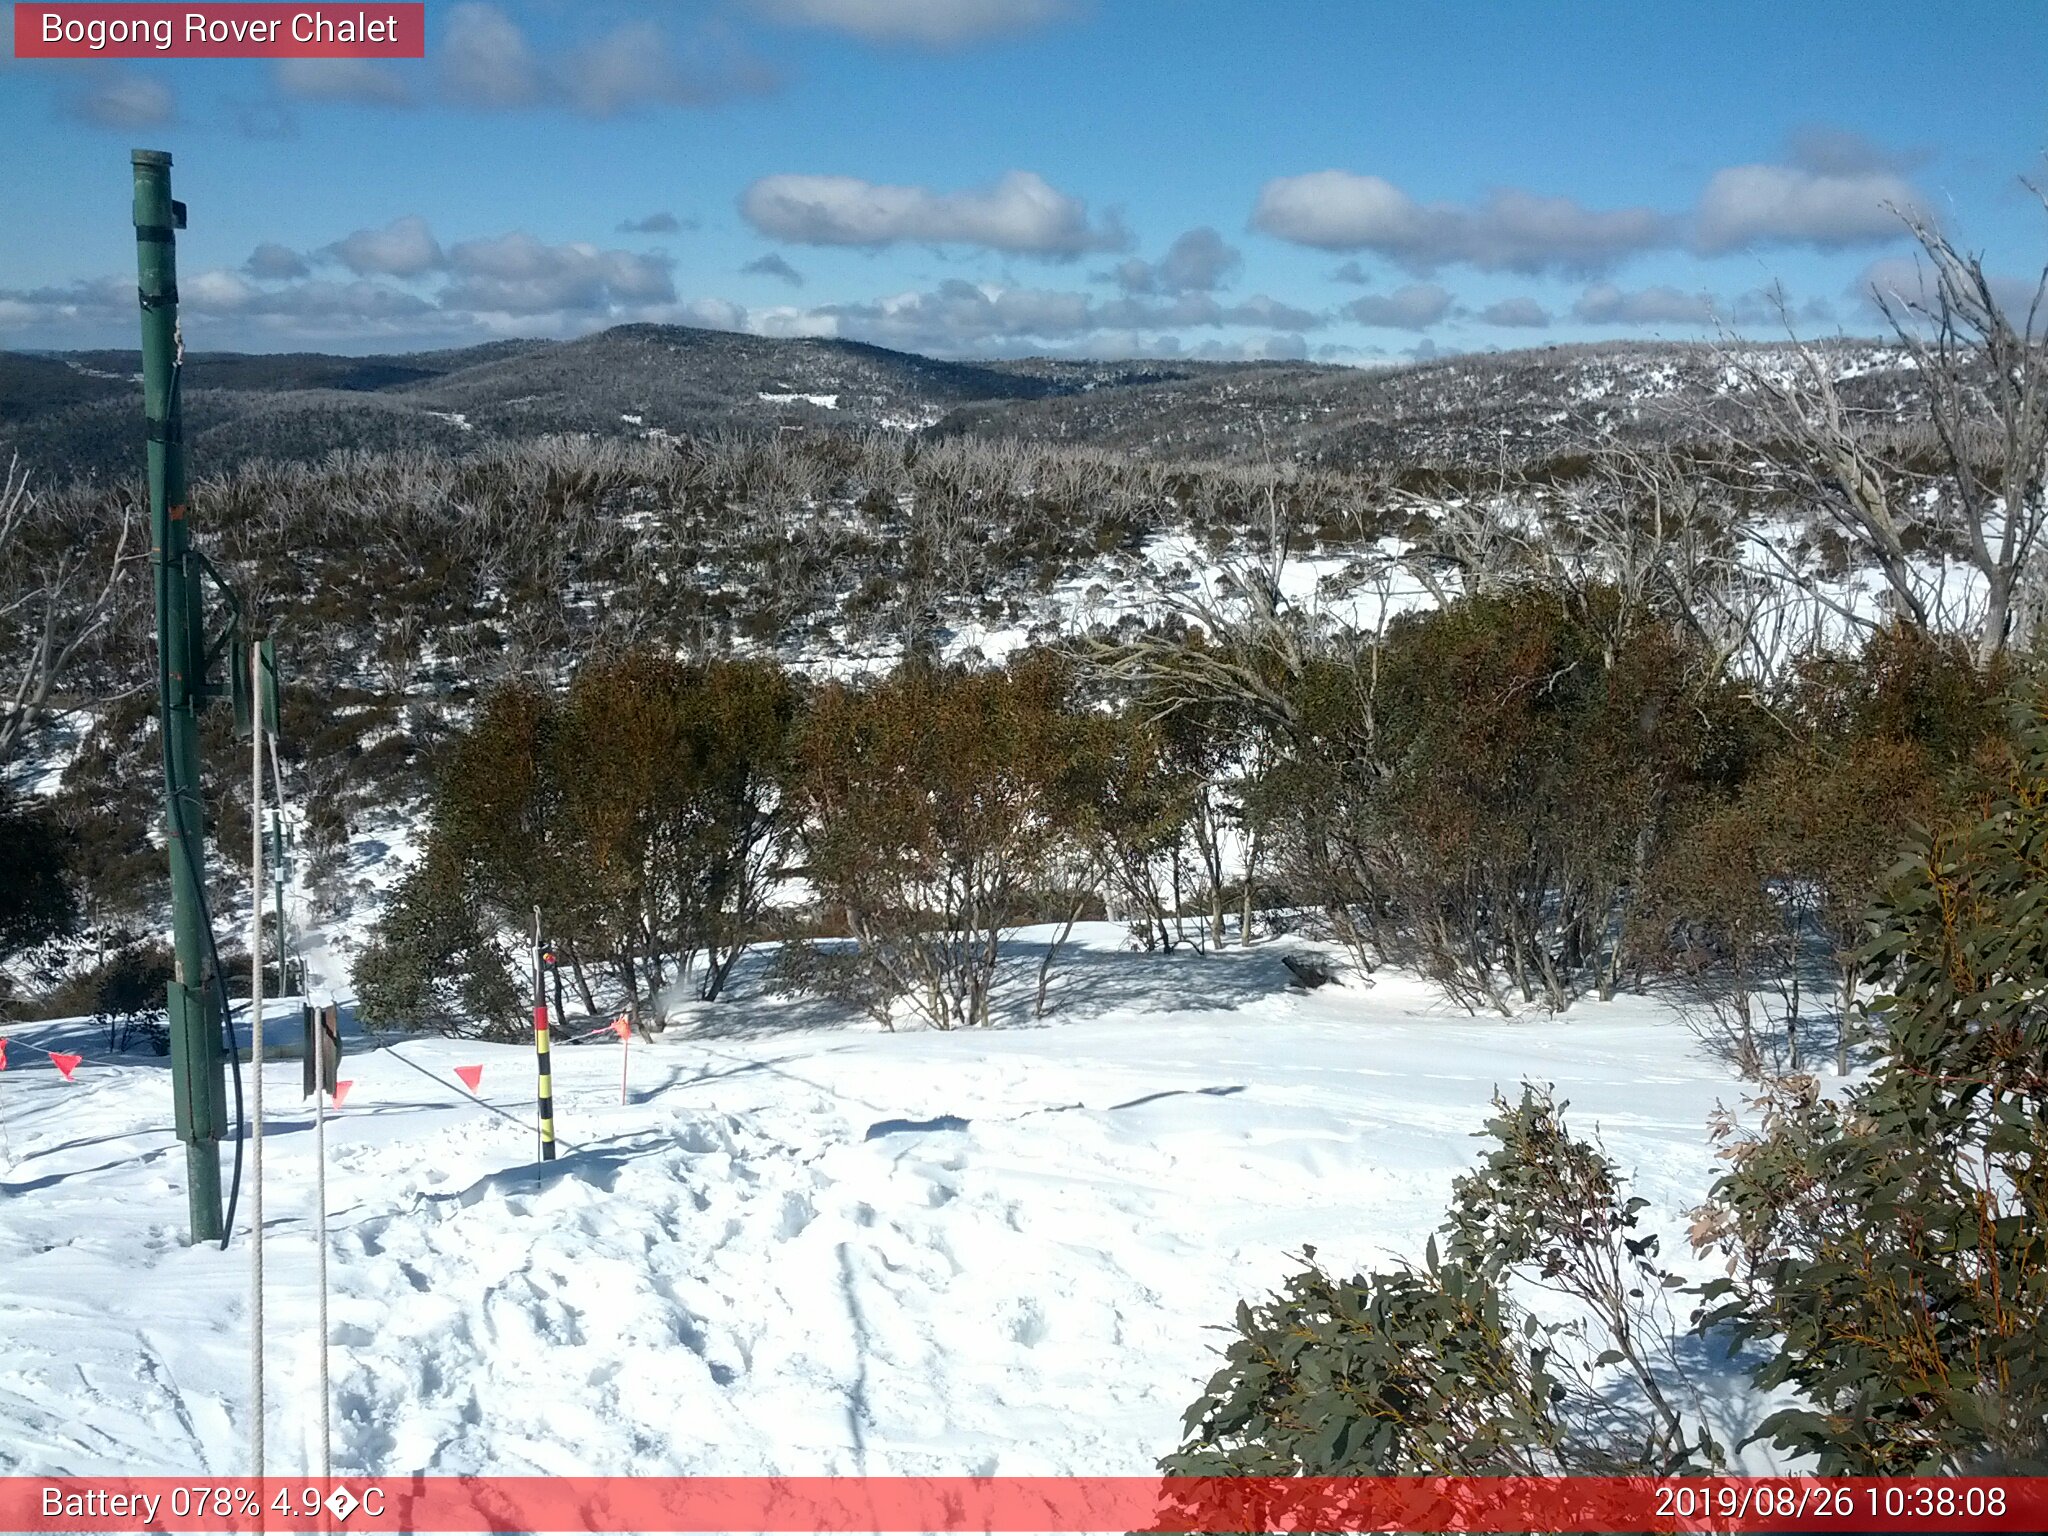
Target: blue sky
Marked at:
1291, 178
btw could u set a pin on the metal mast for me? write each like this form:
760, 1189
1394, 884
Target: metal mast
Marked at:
194, 1016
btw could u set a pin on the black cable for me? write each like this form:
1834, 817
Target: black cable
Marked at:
227, 1011
392, 1051
195, 859
227, 1022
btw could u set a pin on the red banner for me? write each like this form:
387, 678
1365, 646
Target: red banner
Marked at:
220, 31
1015, 1504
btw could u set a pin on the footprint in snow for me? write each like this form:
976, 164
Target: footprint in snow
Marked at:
797, 1214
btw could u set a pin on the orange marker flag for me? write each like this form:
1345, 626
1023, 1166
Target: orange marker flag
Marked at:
341, 1091
65, 1064
471, 1076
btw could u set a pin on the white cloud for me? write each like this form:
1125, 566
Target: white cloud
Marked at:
959, 318
1906, 282
1750, 205
1255, 349
226, 294
79, 307
125, 99
1605, 304
225, 303
400, 285
1510, 230
635, 66
930, 23
485, 60
1020, 213
772, 265
1261, 310
403, 248
274, 262
1519, 311
1415, 307
1136, 312
1843, 152
712, 314
517, 274
362, 81
1774, 308
1835, 189
1199, 261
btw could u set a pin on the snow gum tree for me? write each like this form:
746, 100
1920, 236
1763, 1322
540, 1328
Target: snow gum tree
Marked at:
643, 813
436, 960
672, 800
1887, 1244
1975, 474
934, 808
1768, 881
1479, 792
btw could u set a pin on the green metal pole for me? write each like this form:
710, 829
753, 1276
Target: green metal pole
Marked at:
196, 1060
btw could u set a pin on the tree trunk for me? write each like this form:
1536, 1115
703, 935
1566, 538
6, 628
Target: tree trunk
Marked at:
1212, 858
716, 968
1848, 1004
1792, 1015
632, 971
1045, 965
1251, 871
582, 985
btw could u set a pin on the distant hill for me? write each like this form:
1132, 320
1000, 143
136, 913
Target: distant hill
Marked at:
80, 413
1470, 411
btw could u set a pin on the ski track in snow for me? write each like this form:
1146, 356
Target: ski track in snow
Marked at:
794, 1251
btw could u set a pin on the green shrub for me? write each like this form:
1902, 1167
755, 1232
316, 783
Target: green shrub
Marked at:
1436, 1371
37, 902
434, 962
934, 810
1891, 1245
1407, 1373
130, 993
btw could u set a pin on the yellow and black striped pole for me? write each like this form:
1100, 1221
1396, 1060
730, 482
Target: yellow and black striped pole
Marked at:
540, 1047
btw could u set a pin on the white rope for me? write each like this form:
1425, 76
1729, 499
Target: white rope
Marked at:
256, 1403
320, 1229
277, 800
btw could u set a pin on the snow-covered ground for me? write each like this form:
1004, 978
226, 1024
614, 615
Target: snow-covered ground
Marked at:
801, 1245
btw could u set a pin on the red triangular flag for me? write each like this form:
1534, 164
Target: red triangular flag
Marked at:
341, 1090
3, 1053
471, 1076
64, 1063
622, 1026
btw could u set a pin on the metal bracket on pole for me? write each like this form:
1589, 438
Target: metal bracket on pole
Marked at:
201, 1107
226, 647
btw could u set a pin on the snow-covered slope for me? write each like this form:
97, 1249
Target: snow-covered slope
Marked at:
800, 1246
